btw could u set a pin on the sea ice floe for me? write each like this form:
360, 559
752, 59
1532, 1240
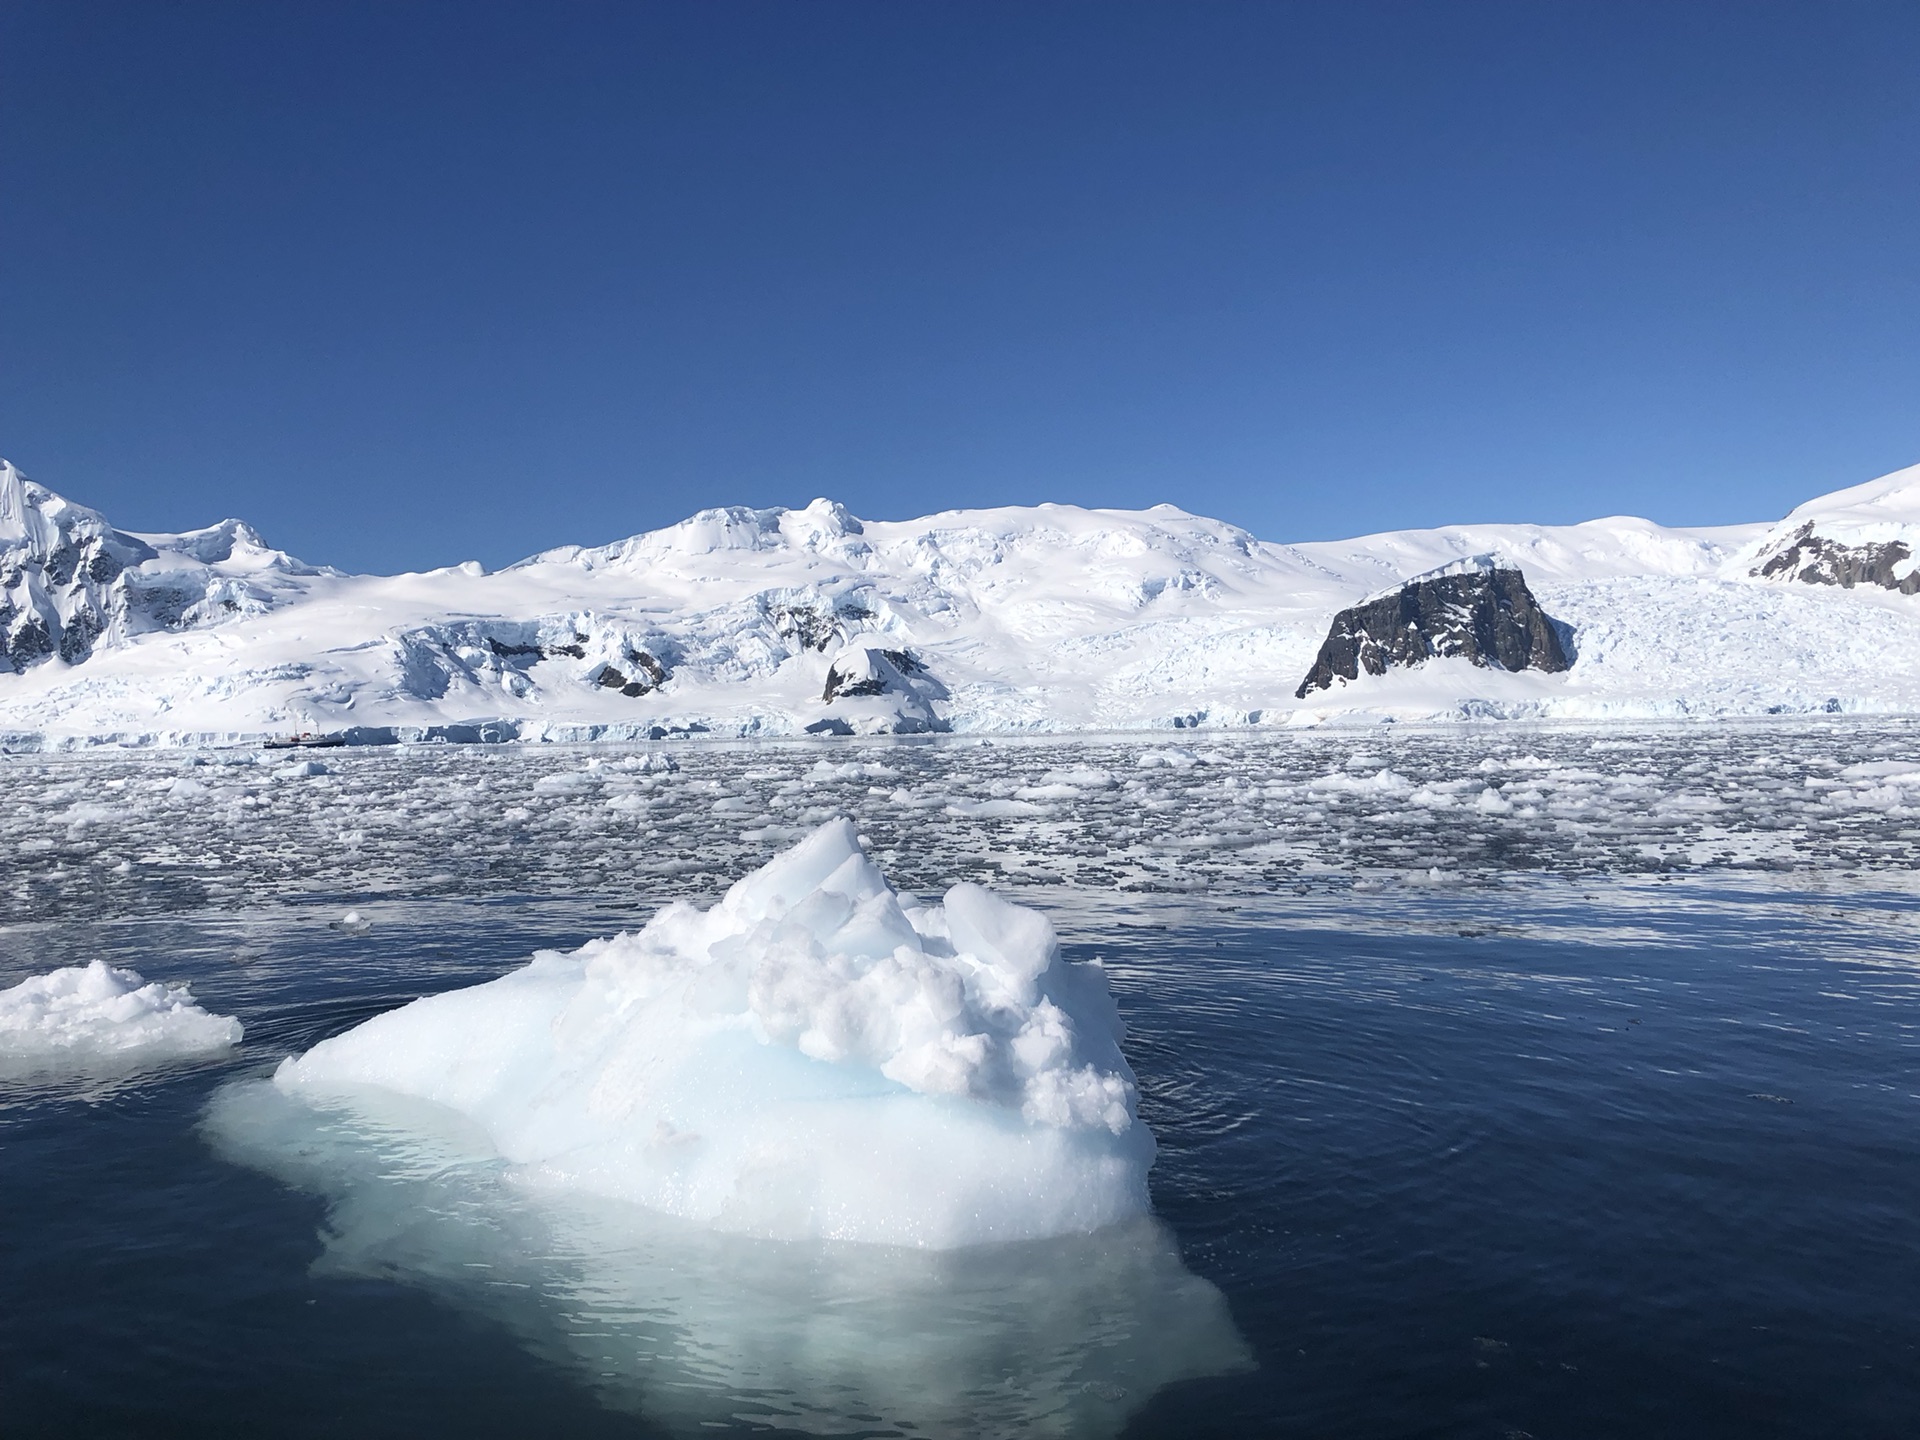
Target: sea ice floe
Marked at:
99, 1012
815, 1056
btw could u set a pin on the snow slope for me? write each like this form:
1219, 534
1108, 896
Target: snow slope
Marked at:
739, 621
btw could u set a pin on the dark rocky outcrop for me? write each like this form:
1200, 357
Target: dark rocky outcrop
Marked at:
1815, 560
818, 625
642, 675
1485, 614
871, 672
876, 689
527, 655
513, 652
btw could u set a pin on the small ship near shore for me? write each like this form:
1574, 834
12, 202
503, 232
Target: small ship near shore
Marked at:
306, 742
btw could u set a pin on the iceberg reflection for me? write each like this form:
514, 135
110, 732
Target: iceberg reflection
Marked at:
693, 1328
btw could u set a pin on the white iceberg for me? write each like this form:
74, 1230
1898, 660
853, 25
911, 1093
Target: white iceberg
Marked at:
84, 1014
811, 1058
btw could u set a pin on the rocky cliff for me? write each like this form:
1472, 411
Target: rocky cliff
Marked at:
1816, 559
1474, 610
59, 564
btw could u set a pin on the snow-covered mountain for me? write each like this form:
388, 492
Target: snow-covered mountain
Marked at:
1865, 535
70, 583
1051, 617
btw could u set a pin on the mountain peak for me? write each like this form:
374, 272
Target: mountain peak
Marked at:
36, 519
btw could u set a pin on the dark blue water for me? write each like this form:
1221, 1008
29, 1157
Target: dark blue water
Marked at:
1560, 1159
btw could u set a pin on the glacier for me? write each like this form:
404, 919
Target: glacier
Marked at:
1047, 618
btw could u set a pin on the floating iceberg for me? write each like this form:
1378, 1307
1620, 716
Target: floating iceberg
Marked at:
814, 1057
85, 1014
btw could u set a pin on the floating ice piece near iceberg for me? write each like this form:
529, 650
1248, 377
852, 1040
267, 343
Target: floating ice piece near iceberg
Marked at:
84, 1014
812, 1057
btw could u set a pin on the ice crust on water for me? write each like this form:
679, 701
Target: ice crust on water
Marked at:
83, 1013
812, 1057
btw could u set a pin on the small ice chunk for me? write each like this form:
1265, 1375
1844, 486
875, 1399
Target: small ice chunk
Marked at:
809, 1058
1081, 777
565, 783
100, 1011
1167, 758
824, 772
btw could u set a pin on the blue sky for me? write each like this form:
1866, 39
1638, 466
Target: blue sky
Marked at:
405, 284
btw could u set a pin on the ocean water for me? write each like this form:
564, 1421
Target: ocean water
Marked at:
1507, 1083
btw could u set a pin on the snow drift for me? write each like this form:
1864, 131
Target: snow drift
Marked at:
84, 1014
812, 1057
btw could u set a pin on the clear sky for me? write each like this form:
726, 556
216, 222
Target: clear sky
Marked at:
405, 284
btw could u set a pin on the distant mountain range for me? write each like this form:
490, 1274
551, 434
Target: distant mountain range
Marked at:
1045, 618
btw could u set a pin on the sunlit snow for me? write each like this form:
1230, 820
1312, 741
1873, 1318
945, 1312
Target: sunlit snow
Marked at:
1045, 618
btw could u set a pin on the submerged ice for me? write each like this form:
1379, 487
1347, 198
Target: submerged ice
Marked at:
85, 1013
698, 1330
815, 1056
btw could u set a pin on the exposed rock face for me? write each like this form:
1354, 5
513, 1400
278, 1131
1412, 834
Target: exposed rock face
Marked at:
860, 671
1815, 560
642, 675
1477, 610
818, 626
523, 657
58, 566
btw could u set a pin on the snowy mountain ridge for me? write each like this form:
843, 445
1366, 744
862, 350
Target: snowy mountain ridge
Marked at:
741, 621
